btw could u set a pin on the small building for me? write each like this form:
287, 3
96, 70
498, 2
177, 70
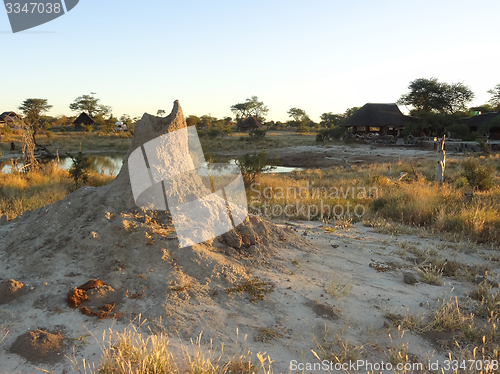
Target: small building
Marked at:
249, 124
10, 119
384, 119
83, 119
476, 122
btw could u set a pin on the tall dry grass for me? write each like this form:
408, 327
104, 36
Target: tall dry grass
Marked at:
132, 352
21, 191
368, 194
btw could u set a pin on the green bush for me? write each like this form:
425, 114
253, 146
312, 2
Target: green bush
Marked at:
214, 132
79, 171
332, 133
7, 130
257, 134
87, 128
458, 130
479, 177
253, 164
50, 135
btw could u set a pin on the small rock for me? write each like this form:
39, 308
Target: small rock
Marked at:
3, 220
409, 278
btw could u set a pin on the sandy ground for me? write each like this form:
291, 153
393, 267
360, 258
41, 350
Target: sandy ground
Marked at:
323, 156
300, 311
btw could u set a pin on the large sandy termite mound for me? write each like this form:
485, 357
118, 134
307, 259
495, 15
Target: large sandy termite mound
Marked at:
49, 254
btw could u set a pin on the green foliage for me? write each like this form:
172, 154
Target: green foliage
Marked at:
214, 132
87, 128
257, 134
253, 164
50, 135
303, 129
6, 130
131, 128
79, 171
430, 95
90, 105
495, 96
458, 130
333, 133
434, 124
33, 109
251, 107
478, 176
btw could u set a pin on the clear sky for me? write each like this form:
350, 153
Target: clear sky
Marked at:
319, 55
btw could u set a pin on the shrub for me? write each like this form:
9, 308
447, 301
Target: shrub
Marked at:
478, 177
50, 135
333, 133
458, 130
7, 130
87, 128
253, 164
79, 171
257, 134
303, 129
214, 132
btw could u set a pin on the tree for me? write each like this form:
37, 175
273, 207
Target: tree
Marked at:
455, 97
329, 119
161, 113
495, 96
33, 109
90, 105
430, 95
193, 120
297, 114
350, 111
251, 107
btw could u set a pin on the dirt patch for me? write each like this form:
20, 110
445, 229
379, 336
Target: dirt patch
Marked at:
40, 346
10, 290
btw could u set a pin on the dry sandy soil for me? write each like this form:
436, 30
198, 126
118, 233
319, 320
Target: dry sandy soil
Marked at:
185, 294
323, 156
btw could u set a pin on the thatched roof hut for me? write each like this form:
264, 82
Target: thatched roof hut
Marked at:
385, 119
9, 118
83, 119
476, 122
249, 124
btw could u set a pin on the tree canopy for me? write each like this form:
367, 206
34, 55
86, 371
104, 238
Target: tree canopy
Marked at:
90, 105
33, 109
495, 96
430, 95
251, 107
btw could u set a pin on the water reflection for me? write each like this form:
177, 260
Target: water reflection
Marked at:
107, 164
111, 164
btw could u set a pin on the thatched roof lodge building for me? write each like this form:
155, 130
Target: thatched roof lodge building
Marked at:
384, 119
476, 122
10, 119
83, 119
249, 124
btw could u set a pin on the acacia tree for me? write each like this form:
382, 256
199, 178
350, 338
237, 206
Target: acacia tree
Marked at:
251, 107
430, 95
32, 109
90, 105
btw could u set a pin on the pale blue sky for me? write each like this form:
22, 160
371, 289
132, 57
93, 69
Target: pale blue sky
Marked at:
320, 56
